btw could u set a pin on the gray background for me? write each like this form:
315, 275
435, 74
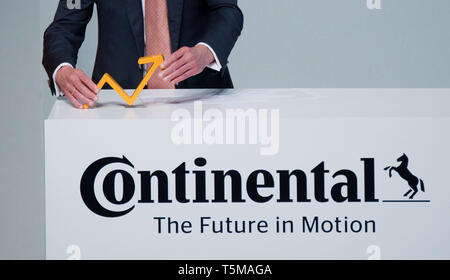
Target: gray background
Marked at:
21, 126
286, 43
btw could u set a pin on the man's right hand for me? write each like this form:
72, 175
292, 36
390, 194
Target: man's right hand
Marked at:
76, 86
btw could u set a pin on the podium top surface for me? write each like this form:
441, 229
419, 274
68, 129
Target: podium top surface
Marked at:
307, 103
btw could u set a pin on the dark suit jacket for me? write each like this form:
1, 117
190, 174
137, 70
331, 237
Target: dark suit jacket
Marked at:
121, 37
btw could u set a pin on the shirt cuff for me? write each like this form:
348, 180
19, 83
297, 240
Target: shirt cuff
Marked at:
216, 64
57, 89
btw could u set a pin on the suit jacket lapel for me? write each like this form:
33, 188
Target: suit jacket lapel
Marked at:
175, 11
136, 19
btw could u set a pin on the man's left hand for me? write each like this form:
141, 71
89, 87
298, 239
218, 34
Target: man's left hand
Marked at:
185, 63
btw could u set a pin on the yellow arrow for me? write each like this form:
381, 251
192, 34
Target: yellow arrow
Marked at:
107, 79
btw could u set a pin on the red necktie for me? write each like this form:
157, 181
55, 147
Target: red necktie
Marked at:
157, 37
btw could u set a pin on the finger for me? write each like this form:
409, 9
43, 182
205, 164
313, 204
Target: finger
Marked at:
180, 71
90, 85
77, 94
173, 57
86, 92
73, 100
183, 77
173, 68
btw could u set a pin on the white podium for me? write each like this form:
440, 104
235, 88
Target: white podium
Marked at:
250, 174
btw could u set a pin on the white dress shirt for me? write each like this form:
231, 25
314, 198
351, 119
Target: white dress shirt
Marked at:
214, 66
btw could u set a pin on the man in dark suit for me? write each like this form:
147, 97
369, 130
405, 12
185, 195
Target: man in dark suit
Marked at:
195, 36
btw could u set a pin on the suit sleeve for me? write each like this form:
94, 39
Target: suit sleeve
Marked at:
225, 26
64, 36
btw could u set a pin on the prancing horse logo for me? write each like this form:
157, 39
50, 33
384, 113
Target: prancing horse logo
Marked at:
404, 173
